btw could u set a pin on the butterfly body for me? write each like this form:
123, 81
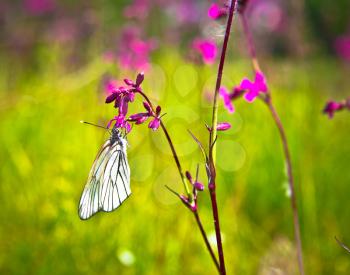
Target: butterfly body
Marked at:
108, 184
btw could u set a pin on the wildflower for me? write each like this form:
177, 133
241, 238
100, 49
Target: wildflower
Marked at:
215, 12
228, 97
134, 51
139, 118
221, 126
155, 123
254, 88
207, 49
332, 107
197, 186
120, 122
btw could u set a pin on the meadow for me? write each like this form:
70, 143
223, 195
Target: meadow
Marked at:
46, 155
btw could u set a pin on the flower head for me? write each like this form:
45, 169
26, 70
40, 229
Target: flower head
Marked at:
120, 122
254, 88
227, 99
215, 11
332, 107
207, 49
155, 122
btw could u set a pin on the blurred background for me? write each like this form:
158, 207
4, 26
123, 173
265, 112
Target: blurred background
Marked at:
55, 60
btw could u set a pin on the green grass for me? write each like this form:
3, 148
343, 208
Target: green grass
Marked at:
46, 155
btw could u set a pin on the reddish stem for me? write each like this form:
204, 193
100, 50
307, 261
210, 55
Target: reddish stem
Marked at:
212, 137
199, 223
283, 136
291, 184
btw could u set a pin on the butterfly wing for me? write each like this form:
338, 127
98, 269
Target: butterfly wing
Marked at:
108, 184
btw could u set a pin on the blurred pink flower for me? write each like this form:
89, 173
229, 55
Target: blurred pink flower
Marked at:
139, 9
207, 49
39, 7
254, 88
266, 15
216, 12
227, 99
223, 126
133, 51
332, 107
342, 47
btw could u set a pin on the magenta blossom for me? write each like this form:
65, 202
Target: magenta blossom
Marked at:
332, 107
140, 118
39, 7
120, 122
254, 88
215, 11
133, 50
229, 97
155, 122
221, 126
207, 49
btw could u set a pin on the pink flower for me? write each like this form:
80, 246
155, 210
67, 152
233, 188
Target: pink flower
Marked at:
39, 7
223, 126
216, 12
155, 122
227, 99
139, 118
332, 107
254, 88
120, 122
207, 49
133, 50
342, 47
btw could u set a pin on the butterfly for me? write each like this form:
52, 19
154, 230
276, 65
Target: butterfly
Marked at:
108, 184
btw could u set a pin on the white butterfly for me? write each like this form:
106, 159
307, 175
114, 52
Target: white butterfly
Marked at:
108, 184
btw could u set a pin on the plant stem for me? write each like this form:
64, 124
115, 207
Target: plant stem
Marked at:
250, 43
218, 81
268, 101
175, 158
178, 164
212, 145
290, 182
199, 223
171, 144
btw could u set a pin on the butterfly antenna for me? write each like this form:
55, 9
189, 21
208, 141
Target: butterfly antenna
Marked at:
99, 126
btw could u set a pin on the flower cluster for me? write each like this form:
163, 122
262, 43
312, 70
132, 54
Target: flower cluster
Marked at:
122, 96
333, 106
250, 89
